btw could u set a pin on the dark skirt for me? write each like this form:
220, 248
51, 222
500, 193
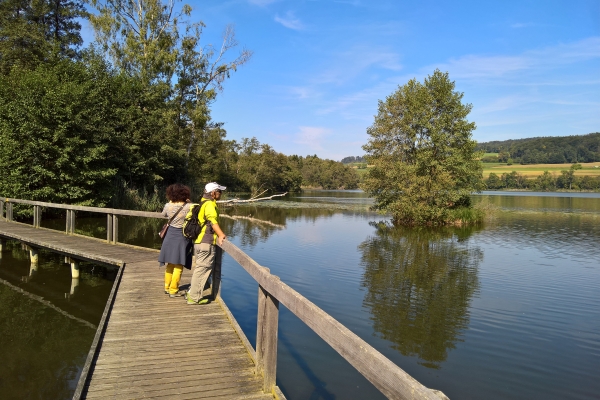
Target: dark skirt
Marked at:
176, 249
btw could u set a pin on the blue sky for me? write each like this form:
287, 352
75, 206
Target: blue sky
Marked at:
530, 68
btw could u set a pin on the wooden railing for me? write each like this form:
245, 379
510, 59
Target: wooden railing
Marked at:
386, 376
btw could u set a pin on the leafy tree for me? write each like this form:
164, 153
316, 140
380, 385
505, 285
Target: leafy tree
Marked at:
143, 38
568, 177
260, 168
325, 174
56, 132
32, 32
423, 156
494, 182
545, 182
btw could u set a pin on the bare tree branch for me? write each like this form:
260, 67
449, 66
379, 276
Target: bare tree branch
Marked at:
252, 200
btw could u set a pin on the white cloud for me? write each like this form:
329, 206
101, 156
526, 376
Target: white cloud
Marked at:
518, 25
477, 67
261, 3
289, 21
311, 136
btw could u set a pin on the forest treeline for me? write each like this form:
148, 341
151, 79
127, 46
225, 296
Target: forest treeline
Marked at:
131, 113
546, 150
353, 159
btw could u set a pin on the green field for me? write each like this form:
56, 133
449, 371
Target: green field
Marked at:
533, 170
530, 170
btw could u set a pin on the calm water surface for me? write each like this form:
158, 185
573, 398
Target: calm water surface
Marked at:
47, 322
507, 310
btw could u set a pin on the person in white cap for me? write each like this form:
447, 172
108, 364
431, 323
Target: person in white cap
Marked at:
205, 244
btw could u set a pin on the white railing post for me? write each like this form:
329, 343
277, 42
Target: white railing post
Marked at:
115, 229
70, 229
109, 229
37, 216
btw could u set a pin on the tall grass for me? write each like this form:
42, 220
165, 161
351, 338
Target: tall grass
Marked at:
139, 199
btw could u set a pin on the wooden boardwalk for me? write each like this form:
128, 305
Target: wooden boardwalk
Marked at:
154, 346
149, 346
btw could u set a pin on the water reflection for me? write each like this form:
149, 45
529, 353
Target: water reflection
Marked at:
47, 322
420, 282
42, 350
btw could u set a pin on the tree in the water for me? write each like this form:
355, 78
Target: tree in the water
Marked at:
424, 163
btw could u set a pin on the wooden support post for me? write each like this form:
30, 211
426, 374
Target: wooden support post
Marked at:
74, 268
1, 209
216, 274
266, 338
109, 229
74, 285
115, 229
1, 248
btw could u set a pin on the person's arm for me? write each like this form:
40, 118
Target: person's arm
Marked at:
210, 214
220, 235
164, 211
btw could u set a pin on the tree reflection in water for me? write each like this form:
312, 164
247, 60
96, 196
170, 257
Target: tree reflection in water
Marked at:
419, 283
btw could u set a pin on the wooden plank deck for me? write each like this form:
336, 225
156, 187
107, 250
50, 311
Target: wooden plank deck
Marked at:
154, 346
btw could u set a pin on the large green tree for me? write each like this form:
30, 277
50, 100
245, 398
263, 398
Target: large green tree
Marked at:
145, 39
38, 31
422, 152
58, 133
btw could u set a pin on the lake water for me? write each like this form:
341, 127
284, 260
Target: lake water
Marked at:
510, 309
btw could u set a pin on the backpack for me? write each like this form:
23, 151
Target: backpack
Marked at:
191, 225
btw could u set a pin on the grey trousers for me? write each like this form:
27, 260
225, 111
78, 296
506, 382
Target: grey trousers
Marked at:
204, 264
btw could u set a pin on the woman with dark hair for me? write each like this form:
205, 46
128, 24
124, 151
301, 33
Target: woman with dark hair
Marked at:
176, 249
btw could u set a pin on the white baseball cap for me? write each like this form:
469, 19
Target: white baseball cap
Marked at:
213, 186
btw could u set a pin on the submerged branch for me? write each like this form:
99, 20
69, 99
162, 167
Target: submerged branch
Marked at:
251, 200
249, 218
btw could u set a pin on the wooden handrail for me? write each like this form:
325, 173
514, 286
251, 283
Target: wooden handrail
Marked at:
386, 376
113, 211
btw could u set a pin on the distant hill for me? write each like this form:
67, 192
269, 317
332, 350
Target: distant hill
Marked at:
546, 150
352, 159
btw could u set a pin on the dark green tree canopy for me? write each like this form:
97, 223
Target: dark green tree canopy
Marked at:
32, 32
422, 152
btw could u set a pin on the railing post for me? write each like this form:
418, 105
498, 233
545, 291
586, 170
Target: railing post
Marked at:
109, 229
266, 338
37, 216
9, 211
1, 209
70, 229
115, 229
